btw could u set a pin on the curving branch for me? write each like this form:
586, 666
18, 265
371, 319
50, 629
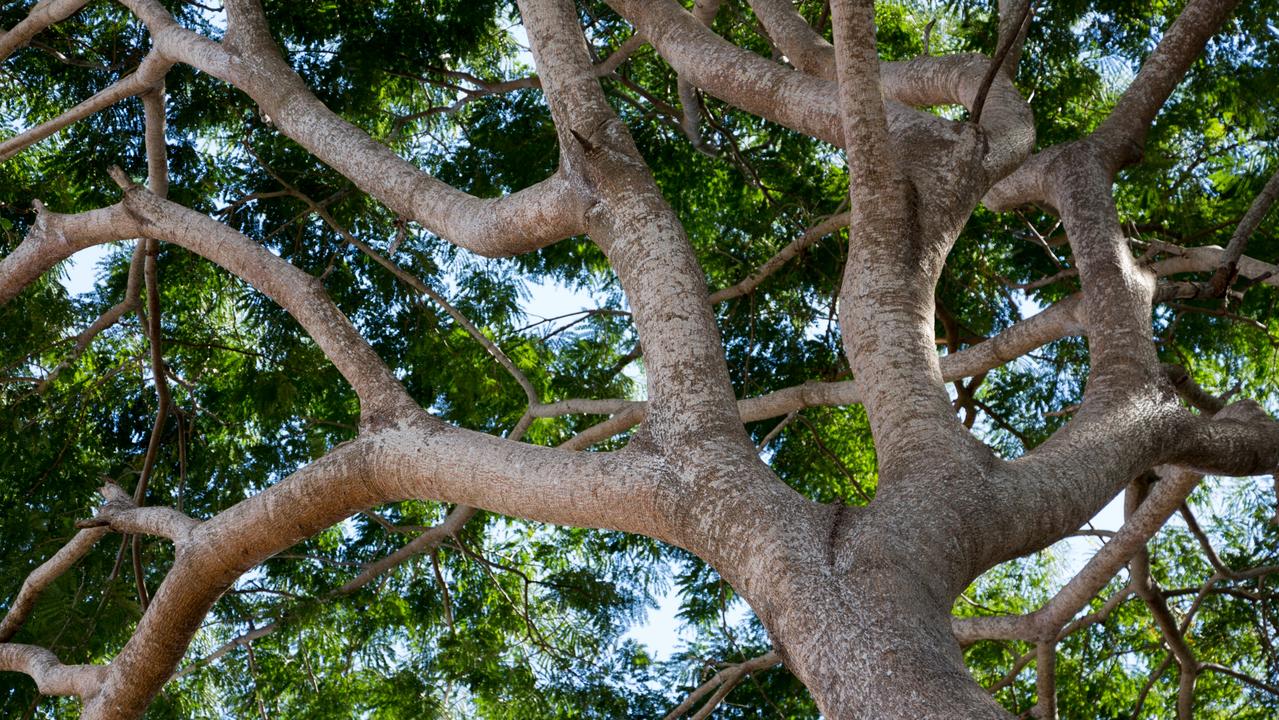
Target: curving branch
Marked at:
299, 293
122, 514
55, 237
43, 576
722, 683
637, 229
1120, 139
51, 676
42, 15
428, 540
416, 458
521, 222
150, 72
1204, 258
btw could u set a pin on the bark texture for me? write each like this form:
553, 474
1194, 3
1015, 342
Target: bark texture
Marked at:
857, 601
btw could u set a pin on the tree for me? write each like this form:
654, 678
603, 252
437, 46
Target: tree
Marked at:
305, 352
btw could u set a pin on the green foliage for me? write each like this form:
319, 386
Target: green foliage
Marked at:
515, 620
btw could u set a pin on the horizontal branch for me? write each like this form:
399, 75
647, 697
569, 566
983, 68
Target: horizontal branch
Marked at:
1205, 258
122, 514
1053, 323
1045, 623
50, 675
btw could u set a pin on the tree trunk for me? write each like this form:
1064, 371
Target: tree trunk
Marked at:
875, 643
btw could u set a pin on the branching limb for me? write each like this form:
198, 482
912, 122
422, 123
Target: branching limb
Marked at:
421, 458
55, 237
43, 14
1120, 139
1053, 323
1204, 258
722, 683
122, 514
894, 254
805, 102
423, 543
151, 71
1166, 496
427, 541
51, 676
521, 222
638, 231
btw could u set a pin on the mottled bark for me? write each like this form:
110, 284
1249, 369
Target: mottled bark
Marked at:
856, 600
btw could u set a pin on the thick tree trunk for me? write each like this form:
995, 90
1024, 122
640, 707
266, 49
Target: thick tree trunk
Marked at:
876, 643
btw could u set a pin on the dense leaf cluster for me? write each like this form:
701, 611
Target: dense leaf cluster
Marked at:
515, 620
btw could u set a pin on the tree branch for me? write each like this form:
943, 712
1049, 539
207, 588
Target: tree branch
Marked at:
51, 676
152, 70
123, 514
1122, 135
43, 14
725, 680
1046, 622
803, 47
521, 222
44, 576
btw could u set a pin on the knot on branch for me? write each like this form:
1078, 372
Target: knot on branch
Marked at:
1246, 410
121, 178
584, 141
117, 501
